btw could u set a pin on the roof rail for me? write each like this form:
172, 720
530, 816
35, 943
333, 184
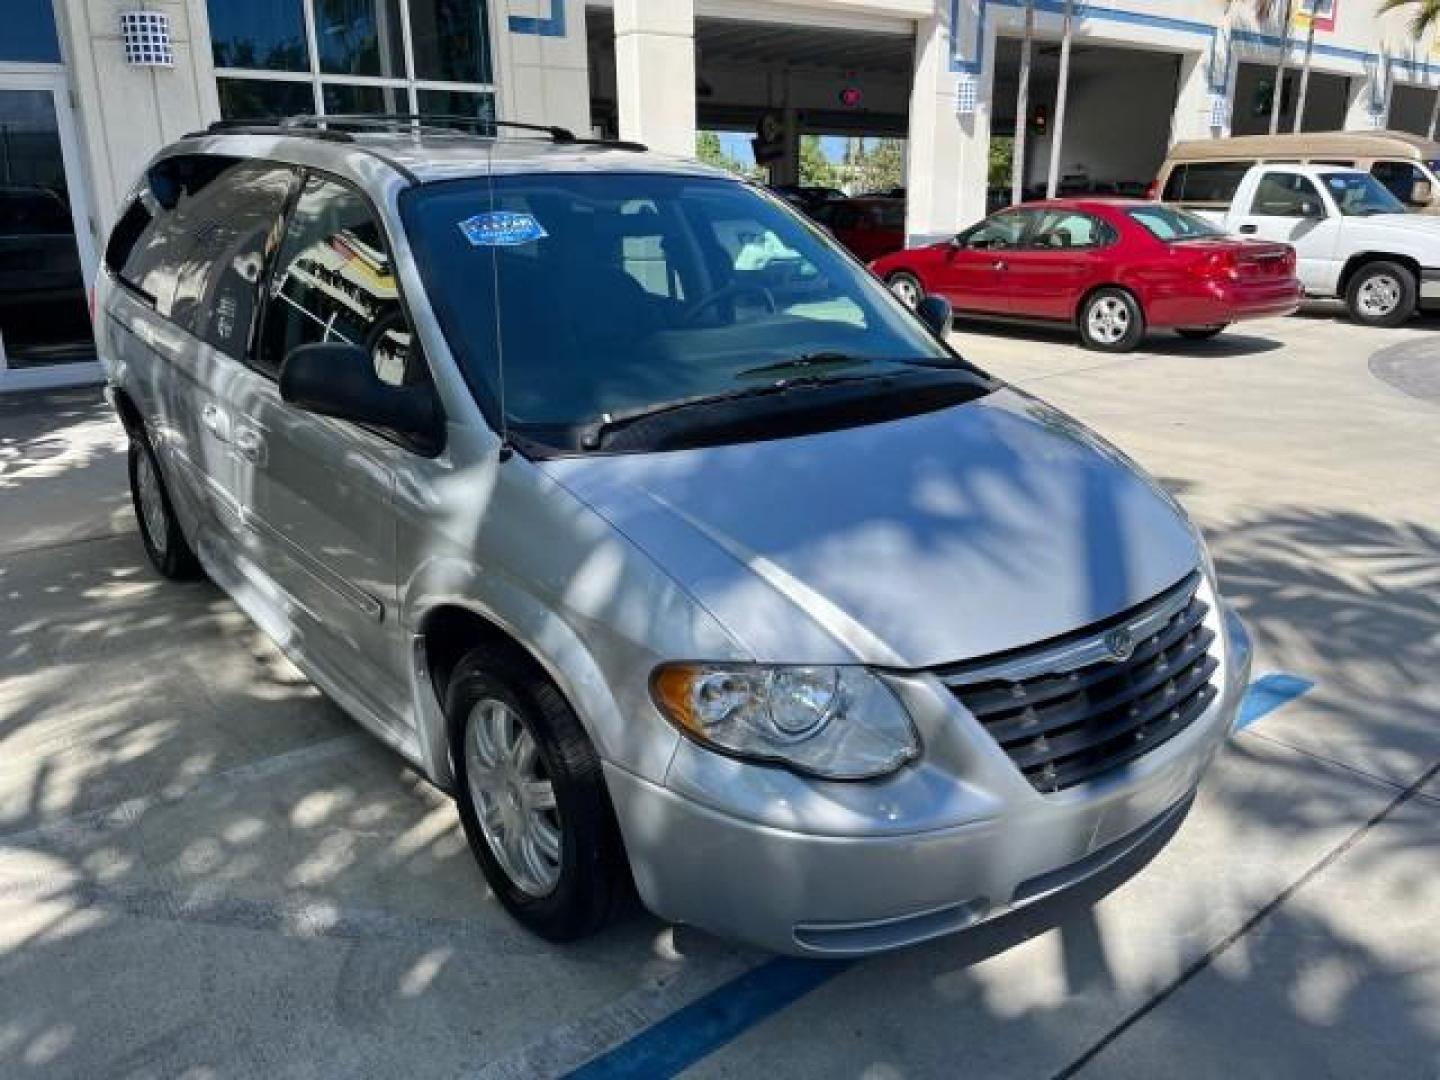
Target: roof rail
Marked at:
342, 127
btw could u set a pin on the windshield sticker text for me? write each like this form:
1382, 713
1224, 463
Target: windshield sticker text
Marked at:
502, 228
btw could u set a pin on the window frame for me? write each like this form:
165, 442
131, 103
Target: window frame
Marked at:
252, 360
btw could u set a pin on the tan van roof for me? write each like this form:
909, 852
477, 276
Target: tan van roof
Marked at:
1310, 144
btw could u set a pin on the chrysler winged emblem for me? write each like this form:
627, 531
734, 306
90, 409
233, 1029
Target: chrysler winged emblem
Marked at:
1121, 643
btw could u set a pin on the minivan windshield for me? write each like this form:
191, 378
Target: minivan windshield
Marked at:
616, 296
1359, 194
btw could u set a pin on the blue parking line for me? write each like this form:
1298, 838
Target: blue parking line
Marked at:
705, 1025
1268, 693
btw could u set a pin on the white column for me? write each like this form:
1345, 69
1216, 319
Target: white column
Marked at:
1357, 107
543, 67
124, 113
655, 73
1192, 102
948, 155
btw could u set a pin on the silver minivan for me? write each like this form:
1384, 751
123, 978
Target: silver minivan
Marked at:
635, 513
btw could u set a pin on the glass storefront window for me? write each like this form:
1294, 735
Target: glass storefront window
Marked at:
458, 103
266, 34
264, 99
347, 98
29, 32
451, 40
361, 60
360, 37
44, 318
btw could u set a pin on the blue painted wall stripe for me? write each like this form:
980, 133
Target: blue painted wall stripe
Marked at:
552, 25
1268, 693
705, 1025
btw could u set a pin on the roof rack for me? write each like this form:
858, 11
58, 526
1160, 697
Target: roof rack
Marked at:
342, 127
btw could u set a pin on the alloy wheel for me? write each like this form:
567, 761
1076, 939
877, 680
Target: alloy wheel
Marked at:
1108, 320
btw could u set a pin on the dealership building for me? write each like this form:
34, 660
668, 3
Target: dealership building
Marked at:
89, 89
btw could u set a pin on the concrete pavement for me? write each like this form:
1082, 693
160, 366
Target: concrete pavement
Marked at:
207, 870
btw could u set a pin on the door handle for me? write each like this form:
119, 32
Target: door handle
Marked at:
250, 445
1249, 229
1001, 264
216, 421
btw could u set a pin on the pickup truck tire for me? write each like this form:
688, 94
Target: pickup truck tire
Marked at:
532, 796
1111, 321
1201, 333
1381, 294
160, 531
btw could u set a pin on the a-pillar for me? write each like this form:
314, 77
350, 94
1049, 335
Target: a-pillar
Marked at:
655, 73
947, 152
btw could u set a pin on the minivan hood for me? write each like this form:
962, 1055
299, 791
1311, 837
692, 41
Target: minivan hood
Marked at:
935, 538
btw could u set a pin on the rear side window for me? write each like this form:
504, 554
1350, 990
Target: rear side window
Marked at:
194, 243
1205, 181
1284, 195
1069, 229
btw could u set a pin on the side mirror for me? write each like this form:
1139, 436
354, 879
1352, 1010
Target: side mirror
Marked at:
1421, 193
339, 380
934, 312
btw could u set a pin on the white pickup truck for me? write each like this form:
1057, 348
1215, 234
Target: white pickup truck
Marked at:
1352, 238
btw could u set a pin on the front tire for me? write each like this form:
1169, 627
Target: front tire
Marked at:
1111, 321
160, 531
907, 288
532, 796
1381, 294
1201, 333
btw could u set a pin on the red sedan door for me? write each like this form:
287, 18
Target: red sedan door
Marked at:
1050, 274
973, 272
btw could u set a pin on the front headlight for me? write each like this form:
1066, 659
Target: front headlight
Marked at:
840, 723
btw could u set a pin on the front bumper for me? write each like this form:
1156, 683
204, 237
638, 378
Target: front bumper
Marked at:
795, 890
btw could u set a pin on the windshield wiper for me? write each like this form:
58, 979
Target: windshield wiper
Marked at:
595, 433
807, 360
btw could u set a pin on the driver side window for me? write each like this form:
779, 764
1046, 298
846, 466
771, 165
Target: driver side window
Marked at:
334, 281
1001, 231
1286, 195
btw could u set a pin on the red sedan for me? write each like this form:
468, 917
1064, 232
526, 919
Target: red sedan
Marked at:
1112, 268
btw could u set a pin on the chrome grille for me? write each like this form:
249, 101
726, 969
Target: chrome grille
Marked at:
1067, 711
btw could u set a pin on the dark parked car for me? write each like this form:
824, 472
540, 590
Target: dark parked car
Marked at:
869, 227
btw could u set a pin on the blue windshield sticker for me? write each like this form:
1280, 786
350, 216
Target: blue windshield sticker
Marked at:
502, 228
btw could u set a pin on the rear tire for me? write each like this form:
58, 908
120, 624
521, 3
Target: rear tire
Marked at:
1381, 294
532, 796
907, 288
1201, 333
160, 531
1111, 321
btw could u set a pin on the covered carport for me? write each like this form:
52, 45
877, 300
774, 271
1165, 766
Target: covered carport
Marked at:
1118, 117
1413, 109
847, 77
